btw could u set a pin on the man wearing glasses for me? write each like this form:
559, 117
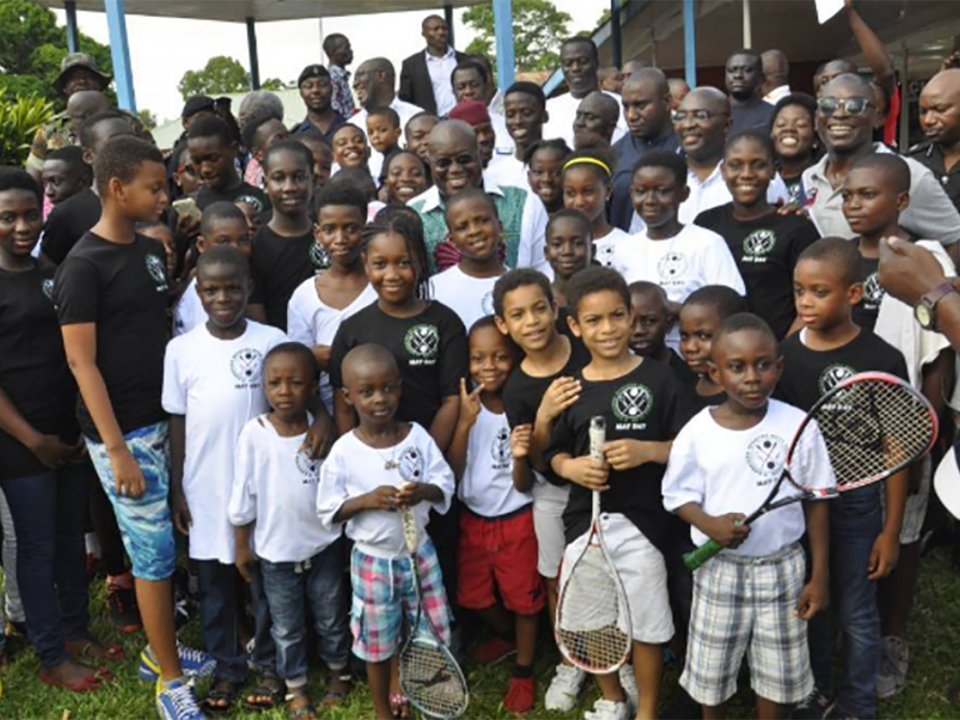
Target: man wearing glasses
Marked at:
845, 120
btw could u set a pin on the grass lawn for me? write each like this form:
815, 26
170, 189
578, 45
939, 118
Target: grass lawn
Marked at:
935, 637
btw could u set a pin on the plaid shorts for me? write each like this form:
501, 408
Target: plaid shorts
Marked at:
383, 592
746, 605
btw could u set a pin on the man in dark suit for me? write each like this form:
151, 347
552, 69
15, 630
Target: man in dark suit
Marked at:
425, 76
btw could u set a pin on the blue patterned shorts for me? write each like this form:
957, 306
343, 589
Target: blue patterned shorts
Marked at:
144, 521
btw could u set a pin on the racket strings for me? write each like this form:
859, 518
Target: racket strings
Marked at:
432, 680
593, 622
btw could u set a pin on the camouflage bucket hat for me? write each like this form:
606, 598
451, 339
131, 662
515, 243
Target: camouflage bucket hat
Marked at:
79, 60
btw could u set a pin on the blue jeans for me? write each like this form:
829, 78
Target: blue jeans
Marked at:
219, 619
320, 582
264, 657
855, 522
49, 511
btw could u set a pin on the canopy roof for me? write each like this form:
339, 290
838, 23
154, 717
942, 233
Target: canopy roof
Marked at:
263, 10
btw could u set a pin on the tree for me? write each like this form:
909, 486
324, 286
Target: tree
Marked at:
148, 118
221, 75
32, 47
275, 84
538, 30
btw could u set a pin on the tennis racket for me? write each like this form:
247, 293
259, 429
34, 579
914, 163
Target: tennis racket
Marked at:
429, 675
593, 618
873, 424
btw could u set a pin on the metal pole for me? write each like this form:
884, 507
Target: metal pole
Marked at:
254, 60
120, 53
615, 33
690, 43
503, 28
73, 35
448, 17
747, 26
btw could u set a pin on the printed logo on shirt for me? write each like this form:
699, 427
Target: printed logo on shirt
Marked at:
410, 464
246, 366
672, 266
758, 244
486, 303
605, 255
319, 257
873, 291
500, 450
47, 287
158, 272
631, 404
308, 467
833, 376
765, 456
422, 343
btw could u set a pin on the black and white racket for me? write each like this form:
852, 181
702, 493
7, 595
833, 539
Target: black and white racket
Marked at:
873, 424
593, 618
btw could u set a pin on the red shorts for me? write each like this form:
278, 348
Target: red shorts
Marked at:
502, 552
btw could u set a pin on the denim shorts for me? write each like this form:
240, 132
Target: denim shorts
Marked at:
144, 522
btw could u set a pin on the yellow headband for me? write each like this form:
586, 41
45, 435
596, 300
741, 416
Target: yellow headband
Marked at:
586, 160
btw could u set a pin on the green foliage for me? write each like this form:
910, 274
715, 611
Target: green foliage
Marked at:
275, 84
538, 30
148, 119
32, 47
221, 75
20, 117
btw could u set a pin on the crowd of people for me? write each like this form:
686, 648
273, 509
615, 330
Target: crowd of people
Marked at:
419, 297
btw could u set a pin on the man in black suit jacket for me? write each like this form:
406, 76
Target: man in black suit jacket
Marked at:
425, 76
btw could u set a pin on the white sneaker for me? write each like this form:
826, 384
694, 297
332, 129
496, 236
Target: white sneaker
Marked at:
607, 710
628, 680
894, 663
564, 688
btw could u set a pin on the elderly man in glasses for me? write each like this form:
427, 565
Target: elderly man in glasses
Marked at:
846, 115
455, 165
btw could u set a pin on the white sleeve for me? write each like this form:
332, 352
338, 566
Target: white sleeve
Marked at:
930, 214
332, 488
299, 326
533, 231
683, 481
777, 191
242, 508
174, 397
719, 268
438, 473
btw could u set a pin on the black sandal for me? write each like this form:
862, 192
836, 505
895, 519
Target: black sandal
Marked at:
303, 710
269, 687
221, 697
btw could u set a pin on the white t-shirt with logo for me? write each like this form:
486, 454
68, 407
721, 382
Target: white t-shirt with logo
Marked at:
603, 249
275, 487
189, 311
217, 385
733, 471
469, 297
353, 468
312, 322
487, 484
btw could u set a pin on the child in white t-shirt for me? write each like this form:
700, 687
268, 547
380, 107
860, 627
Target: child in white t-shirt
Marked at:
587, 185
754, 596
467, 287
223, 224
373, 471
211, 388
300, 558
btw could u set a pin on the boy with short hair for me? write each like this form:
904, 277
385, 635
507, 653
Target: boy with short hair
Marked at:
753, 597
261, 132
350, 148
417, 132
65, 174
213, 151
111, 295
642, 404
568, 248
384, 131
701, 316
654, 320
829, 349
212, 386
322, 157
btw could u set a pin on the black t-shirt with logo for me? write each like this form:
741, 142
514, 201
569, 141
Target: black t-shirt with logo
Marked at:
68, 222
279, 265
647, 403
865, 312
33, 368
123, 290
809, 374
430, 348
766, 251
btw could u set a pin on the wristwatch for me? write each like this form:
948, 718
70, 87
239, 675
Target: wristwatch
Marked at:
926, 310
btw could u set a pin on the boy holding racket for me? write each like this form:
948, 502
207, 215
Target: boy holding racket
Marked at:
752, 597
830, 348
640, 401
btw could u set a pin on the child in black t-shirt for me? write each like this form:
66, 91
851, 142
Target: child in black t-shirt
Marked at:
384, 131
654, 318
641, 403
281, 258
213, 150
111, 295
864, 545
764, 243
65, 174
568, 248
700, 317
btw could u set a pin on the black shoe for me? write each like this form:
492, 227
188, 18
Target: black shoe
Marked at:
124, 613
814, 706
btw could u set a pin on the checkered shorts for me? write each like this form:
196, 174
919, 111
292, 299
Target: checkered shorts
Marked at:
383, 592
746, 605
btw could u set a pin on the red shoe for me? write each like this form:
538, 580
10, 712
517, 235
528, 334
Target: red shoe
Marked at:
521, 695
494, 650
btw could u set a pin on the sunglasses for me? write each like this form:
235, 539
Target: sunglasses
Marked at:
463, 160
851, 106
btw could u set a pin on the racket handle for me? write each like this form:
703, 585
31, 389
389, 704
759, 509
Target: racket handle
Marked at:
698, 557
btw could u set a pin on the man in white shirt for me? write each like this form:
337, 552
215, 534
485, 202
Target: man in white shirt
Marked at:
776, 76
425, 76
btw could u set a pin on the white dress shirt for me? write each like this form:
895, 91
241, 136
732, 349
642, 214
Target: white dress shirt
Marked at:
440, 69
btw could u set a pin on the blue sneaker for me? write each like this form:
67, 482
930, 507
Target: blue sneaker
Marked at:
195, 664
177, 702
